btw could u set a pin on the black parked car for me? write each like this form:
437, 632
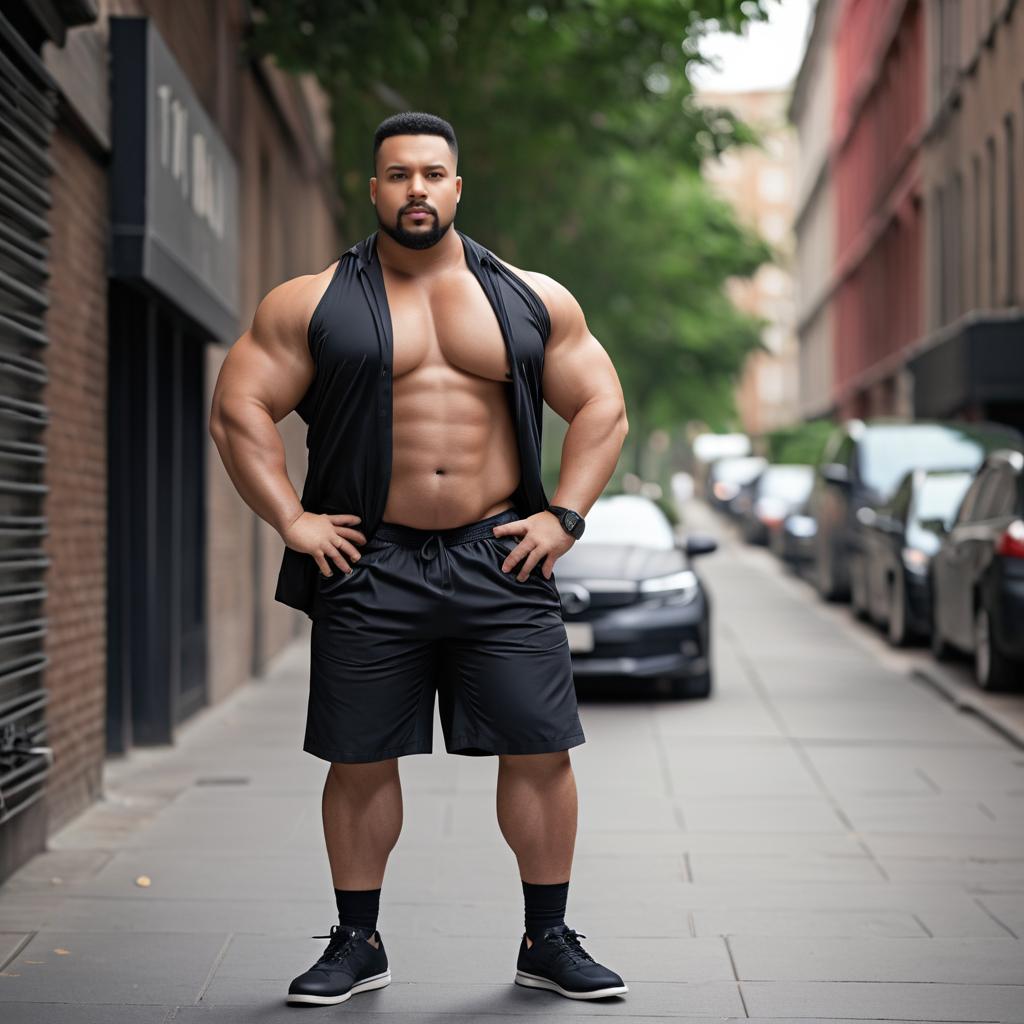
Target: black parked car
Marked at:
631, 602
977, 575
862, 464
780, 489
900, 538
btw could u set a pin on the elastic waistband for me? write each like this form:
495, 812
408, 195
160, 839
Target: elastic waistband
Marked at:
410, 536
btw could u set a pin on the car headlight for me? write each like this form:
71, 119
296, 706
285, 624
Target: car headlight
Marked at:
915, 561
675, 588
801, 526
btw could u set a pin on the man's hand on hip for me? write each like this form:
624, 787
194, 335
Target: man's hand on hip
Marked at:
541, 536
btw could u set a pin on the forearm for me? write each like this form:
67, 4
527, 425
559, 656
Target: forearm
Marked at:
254, 457
590, 452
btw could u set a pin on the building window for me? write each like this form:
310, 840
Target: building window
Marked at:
957, 243
976, 246
941, 261
949, 45
1011, 214
990, 151
772, 184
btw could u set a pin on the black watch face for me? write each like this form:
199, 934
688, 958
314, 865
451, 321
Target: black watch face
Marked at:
571, 519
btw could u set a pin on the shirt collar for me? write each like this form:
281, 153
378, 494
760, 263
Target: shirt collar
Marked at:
365, 251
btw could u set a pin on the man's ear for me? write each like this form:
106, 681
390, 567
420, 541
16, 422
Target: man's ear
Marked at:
373, 190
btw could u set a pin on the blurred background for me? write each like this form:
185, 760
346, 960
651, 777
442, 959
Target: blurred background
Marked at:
796, 227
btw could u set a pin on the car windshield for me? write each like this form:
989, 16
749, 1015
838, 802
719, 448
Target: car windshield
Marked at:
887, 452
627, 519
940, 496
790, 482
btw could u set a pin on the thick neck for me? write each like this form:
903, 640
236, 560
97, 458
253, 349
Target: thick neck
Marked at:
446, 255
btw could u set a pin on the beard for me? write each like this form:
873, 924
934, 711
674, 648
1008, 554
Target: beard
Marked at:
416, 239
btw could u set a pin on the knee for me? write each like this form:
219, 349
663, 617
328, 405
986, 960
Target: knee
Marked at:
537, 764
363, 774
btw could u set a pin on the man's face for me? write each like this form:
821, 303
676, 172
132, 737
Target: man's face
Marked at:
415, 172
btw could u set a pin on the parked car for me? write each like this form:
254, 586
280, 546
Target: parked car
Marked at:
726, 477
631, 602
900, 538
778, 490
794, 542
862, 464
977, 575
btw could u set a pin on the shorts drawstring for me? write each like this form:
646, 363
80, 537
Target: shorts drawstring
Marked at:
439, 550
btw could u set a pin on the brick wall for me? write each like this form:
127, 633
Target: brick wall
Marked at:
76, 477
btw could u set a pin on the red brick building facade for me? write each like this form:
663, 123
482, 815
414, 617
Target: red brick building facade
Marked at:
878, 126
919, 170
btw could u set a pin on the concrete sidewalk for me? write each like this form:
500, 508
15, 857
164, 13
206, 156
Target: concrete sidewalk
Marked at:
824, 838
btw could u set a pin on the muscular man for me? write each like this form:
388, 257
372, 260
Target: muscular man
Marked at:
423, 546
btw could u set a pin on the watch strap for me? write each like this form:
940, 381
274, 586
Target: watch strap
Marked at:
575, 518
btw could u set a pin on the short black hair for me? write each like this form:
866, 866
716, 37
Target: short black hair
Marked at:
413, 122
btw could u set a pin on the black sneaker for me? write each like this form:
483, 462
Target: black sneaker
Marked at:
558, 962
354, 961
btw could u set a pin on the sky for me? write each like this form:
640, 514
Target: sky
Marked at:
766, 56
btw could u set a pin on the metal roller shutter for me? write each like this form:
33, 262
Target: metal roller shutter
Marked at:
28, 107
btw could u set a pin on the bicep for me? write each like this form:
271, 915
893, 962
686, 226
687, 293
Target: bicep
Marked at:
270, 364
577, 369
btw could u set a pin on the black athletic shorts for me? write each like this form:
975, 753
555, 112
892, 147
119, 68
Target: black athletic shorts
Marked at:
424, 611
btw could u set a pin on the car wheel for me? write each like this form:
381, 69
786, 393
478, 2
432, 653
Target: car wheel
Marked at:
897, 632
992, 669
692, 686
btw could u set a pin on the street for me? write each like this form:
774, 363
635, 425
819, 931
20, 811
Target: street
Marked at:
824, 838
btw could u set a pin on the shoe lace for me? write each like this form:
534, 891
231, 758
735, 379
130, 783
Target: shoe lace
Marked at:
341, 944
570, 947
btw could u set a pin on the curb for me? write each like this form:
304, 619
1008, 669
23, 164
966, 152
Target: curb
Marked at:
965, 699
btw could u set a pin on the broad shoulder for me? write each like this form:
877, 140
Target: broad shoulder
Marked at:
561, 304
284, 313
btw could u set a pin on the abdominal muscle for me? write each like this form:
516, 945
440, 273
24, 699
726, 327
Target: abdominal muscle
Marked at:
454, 455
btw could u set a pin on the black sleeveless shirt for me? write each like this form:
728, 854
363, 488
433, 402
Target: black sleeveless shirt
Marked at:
347, 407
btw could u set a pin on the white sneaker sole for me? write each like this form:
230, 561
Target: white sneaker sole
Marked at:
377, 981
535, 981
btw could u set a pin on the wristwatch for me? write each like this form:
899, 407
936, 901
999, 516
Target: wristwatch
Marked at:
572, 522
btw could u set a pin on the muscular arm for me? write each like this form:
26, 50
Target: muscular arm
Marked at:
265, 374
581, 385
263, 378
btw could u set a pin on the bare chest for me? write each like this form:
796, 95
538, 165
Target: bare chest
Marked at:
448, 321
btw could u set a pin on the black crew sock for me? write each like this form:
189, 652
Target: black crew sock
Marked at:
358, 907
545, 906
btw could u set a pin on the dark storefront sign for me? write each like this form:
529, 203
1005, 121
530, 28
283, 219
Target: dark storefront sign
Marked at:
975, 366
173, 290
174, 200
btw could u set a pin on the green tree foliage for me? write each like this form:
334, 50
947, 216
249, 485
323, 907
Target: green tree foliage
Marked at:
802, 442
579, 147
